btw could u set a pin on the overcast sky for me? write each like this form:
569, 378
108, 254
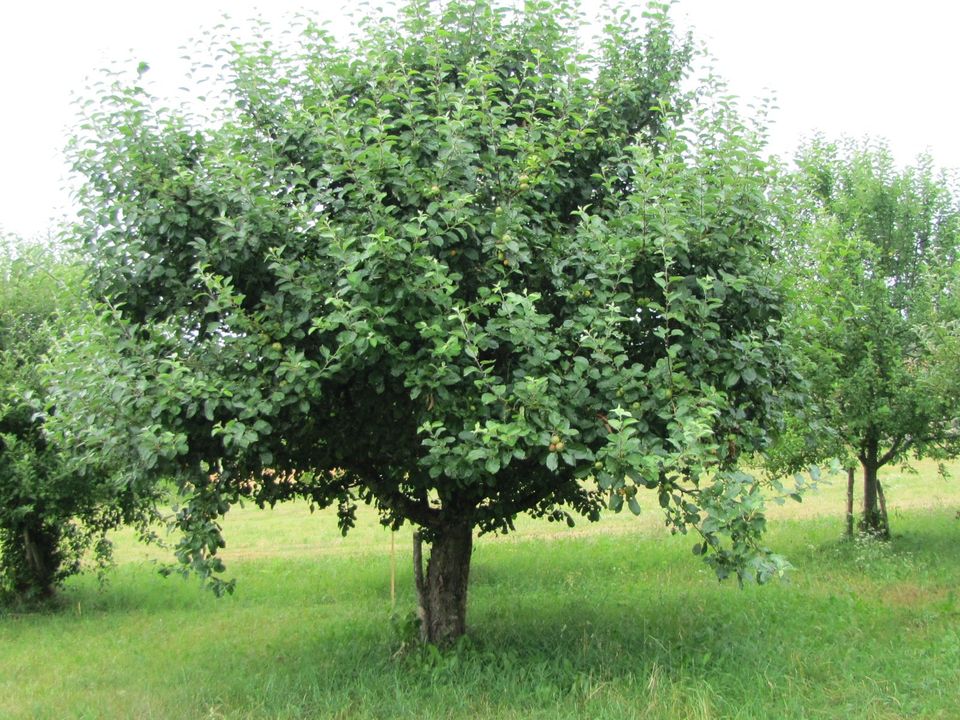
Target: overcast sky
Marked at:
857, 67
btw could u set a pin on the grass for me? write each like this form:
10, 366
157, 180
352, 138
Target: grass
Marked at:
612, 620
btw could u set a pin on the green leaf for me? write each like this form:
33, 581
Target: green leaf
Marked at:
616, 501
552, 461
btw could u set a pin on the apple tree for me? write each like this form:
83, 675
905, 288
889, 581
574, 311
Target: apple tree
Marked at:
53, 515
463, 268
875, 314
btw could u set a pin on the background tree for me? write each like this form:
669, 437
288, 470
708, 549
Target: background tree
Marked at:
876, 311
460, 269
50, 516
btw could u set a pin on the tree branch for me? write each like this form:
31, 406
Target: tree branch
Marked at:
899, 445
417, 510
534, 496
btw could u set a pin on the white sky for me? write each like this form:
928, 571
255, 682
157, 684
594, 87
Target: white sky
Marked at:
882, 68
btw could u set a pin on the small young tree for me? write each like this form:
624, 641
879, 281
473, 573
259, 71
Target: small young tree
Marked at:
459, 270
50, 516
876, 310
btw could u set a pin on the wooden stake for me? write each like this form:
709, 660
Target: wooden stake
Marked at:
393, 570
850, 472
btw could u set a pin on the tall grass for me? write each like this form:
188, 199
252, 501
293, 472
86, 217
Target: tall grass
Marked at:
614, 620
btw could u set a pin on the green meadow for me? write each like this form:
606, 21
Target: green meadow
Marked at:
615, 619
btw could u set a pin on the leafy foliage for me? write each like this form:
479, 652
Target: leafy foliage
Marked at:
460, 270
50, 516
876, 309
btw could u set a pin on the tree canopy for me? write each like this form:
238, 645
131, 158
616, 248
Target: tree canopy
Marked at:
459, 269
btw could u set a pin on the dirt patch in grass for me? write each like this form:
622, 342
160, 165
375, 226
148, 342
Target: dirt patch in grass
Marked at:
910, 595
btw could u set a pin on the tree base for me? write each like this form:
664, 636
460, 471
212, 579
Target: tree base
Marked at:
442, 592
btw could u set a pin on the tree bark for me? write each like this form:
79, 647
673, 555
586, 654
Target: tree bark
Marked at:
41, 562
442, 591
850, 479
870, 520
873, 520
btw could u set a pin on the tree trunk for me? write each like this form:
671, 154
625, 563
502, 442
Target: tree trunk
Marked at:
442, 591
850, 476
872, 521
41, 561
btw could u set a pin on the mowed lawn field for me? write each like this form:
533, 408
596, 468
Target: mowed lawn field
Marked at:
615, 619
